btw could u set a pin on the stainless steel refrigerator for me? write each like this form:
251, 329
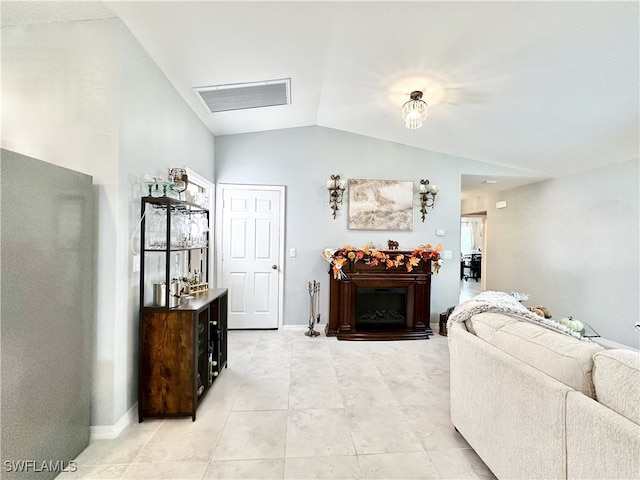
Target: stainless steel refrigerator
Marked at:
47, 315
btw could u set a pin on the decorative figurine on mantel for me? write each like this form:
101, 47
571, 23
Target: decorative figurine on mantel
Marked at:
393, 245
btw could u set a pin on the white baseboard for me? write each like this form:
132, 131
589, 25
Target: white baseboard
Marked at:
319, 327
109, 432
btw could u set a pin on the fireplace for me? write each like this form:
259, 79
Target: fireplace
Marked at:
380, 303
381, 308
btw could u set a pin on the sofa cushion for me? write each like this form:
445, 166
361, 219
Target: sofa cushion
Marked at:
616, 377
562, 357
600, 443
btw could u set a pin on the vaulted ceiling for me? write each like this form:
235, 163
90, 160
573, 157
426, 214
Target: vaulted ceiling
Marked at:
549, 88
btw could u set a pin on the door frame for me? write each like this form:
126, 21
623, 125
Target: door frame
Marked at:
207, 184
221, 187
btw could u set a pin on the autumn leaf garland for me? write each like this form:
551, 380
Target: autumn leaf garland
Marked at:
372, 257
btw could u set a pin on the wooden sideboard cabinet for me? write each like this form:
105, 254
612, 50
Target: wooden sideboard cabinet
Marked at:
182, 351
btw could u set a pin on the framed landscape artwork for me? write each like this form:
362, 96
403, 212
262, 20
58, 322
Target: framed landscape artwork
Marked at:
380, 204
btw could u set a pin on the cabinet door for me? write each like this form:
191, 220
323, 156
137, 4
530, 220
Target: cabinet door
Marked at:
202, 362
167, 352
214, 345
222, 320
218, 335
216, 363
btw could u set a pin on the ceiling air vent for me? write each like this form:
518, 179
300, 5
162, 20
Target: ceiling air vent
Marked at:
239, 96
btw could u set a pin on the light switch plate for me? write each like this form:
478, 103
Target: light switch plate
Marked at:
293, 252
440, 232
447, 254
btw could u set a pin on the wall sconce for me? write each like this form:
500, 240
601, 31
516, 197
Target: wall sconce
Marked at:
425, 200
336, 188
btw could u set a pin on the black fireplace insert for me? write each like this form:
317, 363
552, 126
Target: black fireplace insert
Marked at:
381, 308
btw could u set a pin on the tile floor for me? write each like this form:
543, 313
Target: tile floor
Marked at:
469, 289
292, 407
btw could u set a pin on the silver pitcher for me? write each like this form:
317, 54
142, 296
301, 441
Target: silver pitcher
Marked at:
160, 294
174, 294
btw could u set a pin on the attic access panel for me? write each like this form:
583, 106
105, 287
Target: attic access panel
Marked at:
240, 96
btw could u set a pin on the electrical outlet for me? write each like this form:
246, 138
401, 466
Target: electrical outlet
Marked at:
447, 254
136, 263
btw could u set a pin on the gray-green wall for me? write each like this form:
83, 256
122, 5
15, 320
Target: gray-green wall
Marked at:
303, 159
572, 243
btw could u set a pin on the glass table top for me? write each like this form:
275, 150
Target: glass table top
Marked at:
588, 331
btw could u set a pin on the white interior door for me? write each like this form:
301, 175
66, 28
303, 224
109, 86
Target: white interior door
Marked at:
251, 253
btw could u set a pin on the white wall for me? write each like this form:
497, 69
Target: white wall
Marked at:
572, 243
303, 159
85, 95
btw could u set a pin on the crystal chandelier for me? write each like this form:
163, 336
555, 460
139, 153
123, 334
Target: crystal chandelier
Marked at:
414, 111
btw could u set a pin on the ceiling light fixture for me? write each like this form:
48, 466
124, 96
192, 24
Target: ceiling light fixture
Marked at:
414, 111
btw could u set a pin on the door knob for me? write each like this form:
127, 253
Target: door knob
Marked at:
275, 267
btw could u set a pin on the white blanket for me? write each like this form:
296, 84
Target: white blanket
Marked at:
502, 302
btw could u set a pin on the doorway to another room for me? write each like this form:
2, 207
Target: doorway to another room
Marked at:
472, 247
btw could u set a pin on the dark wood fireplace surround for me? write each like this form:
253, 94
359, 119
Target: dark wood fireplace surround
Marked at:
343, 295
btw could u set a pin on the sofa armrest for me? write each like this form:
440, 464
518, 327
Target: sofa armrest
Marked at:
510, 413
601, 444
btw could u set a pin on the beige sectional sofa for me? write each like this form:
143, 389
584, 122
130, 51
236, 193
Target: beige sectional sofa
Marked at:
535, 403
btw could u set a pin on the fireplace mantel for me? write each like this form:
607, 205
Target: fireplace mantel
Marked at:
343, 294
